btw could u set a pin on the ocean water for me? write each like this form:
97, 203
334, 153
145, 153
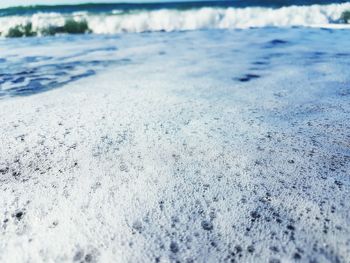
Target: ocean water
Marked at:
198, 132
118, 18
24, 74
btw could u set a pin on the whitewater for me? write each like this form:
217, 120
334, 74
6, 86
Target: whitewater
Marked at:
228, 146
168, 20
182, 132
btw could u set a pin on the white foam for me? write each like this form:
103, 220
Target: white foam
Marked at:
175, 20
121, 166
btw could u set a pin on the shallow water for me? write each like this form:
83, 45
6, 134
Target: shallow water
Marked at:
203, 146
25, 70
24, 74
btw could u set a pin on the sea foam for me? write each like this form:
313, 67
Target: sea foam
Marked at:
169, 20
230, 146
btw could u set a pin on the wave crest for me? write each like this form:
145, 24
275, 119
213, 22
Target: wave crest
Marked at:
173, 20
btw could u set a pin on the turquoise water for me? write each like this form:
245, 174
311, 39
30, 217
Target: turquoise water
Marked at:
168, 17
103, 8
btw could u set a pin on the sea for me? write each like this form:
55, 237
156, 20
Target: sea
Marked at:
170, 16
175, 132
29, 25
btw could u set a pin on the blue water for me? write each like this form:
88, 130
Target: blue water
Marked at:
102, 8
22, 74
167, 17
85, 54
33, 65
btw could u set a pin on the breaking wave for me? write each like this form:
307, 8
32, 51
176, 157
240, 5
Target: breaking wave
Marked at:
118, 21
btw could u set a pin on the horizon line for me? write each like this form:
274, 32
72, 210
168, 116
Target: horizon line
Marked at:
138, 2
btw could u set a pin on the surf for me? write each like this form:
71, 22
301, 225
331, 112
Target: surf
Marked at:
40, 21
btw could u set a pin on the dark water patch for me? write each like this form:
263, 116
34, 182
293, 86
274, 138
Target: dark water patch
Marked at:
42, 79
260, 63
83, 75
18, 80
24, 82
275, 43
330, 30
278, 42
273, 55
248, 77
38, 85
2, 60
32, 87
25, 72
341, 55
4, 78
315, 56
61, 73
318, 53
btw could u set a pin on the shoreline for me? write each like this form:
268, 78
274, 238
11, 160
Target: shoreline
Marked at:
210, 150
